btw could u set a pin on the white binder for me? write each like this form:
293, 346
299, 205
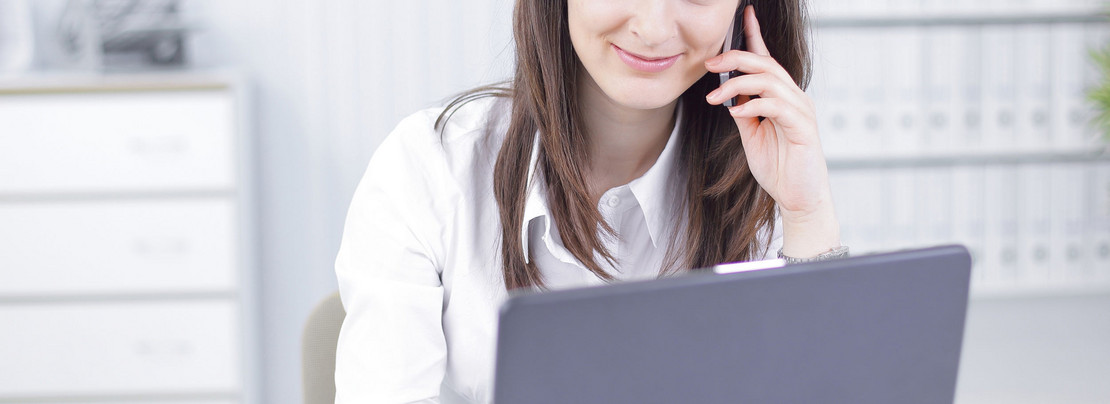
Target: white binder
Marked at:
1069, 242
865, 208
1000, 241
902, 220
968, 127
828, 87
998, 72
1096, 38
867, 85
1070, 113
968, 209
1034, 246
944, 57
934, 187
902, 51
1100, 234
1033, 87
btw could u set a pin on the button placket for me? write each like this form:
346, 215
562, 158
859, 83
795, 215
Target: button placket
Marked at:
611, 209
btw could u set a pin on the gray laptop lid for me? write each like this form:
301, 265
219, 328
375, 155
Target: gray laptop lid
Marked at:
884, 328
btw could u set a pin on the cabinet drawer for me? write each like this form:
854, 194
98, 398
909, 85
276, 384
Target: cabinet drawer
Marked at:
116, 142
100, 247
119, 348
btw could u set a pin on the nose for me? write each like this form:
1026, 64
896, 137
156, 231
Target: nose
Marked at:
653, 23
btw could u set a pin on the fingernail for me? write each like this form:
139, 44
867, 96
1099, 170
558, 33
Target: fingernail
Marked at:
736, 110
713, 95
713, 61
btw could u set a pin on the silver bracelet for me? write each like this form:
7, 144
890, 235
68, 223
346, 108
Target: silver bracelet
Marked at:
838, 252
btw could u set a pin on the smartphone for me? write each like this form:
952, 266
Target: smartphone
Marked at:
734, 40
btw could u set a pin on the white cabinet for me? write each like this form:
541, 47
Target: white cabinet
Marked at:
126, 250
117, 141
119, 348
125, 246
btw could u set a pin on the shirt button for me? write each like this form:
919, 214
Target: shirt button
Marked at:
614, 201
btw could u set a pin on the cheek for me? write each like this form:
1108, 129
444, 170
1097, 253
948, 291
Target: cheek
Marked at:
706, 40
703, 44
589, 22
711, 47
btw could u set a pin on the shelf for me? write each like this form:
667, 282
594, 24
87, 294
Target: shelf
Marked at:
99, 82
88, 196
877, 20
152, 397
969, 159
145, 297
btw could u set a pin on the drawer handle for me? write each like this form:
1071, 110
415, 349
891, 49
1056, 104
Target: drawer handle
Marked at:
158, 145
162, 247
156, 349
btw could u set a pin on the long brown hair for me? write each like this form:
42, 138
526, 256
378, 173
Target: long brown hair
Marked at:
725, 207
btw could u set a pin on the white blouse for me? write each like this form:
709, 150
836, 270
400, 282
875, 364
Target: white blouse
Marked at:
419, 267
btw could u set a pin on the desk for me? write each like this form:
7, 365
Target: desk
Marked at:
1046, 349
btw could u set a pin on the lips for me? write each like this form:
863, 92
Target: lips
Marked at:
644, 63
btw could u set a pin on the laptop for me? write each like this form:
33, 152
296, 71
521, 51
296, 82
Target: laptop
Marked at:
882, 328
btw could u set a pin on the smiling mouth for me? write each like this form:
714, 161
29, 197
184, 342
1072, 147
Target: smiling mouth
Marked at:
645, 63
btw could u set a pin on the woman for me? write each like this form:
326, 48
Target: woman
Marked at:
608, 157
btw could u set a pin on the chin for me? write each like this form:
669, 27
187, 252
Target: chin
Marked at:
645, 103
638, 94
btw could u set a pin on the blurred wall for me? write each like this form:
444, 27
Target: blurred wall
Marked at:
330, 80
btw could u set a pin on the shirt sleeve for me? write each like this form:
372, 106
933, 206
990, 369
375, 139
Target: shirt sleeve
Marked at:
775, 243
391, 346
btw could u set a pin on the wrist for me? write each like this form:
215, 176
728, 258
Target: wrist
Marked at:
816, 207
810, 233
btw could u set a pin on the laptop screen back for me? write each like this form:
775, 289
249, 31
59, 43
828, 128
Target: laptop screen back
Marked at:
883, 328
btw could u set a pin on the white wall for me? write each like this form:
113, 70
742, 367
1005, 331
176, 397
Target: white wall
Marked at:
331, 79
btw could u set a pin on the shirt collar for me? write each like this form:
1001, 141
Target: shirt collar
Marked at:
657, 189
536, 203
654, 191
